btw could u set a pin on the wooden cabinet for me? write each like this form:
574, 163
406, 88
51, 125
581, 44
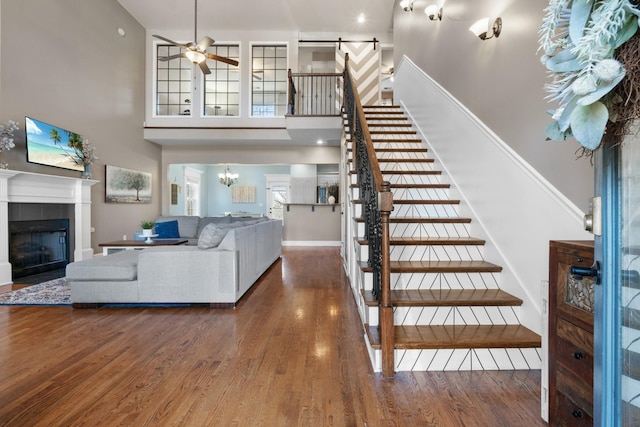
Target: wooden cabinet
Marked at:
571, 300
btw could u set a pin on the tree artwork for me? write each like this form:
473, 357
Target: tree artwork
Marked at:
127, 186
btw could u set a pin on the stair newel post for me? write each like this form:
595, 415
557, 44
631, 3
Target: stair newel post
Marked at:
385, 204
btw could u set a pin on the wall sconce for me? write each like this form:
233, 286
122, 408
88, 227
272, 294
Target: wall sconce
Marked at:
407, 5
434, 12
481, 27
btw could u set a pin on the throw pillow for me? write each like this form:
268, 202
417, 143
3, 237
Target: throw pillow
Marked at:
211, 236
167, 230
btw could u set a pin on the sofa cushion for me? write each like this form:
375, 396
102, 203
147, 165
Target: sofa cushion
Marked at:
211, 236
122, 265
204, 221
167, 230
187, 225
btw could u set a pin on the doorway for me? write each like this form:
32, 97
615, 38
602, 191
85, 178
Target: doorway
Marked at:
277, 195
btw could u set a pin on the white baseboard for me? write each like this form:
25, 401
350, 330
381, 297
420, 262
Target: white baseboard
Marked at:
311, 243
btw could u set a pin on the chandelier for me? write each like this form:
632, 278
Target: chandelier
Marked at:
227, 178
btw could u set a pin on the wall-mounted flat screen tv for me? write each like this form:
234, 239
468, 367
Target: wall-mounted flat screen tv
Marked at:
52, 146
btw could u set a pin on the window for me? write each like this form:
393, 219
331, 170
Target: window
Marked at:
173, 83
270, 80
192, 192
222, 86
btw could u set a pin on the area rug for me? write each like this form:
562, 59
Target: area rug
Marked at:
53, 292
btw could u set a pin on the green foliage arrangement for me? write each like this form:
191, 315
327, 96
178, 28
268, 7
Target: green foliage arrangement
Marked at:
579, 39
147, 224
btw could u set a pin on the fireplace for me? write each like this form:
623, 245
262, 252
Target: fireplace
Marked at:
38, 246
28, 188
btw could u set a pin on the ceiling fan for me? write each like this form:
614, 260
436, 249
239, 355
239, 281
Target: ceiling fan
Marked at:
196, 52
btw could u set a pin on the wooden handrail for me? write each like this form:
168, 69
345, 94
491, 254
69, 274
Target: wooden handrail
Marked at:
365, 130
377, 204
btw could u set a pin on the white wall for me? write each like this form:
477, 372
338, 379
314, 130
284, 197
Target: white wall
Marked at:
512, 206
500, 80
63, 62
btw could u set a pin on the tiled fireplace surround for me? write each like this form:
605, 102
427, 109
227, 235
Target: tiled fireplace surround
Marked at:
27, 187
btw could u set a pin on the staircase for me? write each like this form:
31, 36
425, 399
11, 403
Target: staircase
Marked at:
449, 312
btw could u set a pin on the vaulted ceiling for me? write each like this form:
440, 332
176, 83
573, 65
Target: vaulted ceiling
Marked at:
304, 16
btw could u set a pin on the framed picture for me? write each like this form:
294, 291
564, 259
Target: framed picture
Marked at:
174, 194
127, 186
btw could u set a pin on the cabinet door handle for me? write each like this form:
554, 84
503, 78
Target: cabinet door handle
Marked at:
579, 272
578, 355
577, 413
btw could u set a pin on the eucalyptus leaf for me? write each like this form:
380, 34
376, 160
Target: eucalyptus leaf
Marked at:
627, 31
580, 11
558, 65
565, 118
553, 132
588, 124
603, 89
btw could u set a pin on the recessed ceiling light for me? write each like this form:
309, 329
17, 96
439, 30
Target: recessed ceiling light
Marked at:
121, 32
361, 18
319, 141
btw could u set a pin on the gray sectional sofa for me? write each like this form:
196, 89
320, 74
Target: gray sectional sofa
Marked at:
223, 261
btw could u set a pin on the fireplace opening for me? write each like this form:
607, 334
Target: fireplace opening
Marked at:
39, 246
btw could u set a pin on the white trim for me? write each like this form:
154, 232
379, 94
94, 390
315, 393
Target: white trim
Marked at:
311, 243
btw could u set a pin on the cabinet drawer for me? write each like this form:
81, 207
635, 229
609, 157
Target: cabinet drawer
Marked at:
568, 414
575, 360
574, 350
574, 389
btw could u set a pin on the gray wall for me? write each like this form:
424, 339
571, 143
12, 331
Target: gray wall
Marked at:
63, 62
500, 80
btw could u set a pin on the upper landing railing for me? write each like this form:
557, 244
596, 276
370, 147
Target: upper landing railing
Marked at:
314, 94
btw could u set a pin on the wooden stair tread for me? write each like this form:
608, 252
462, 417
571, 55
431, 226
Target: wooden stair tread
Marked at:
396, 150
417, 186
438, 267
393, 132
446, 298
383, 140
404, 172
458, 336
400, 160
404, 160
418, 220
396, 125
430, 241
366, 107
373, 112
417, 202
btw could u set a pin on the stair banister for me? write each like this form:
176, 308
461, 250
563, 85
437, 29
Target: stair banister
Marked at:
377, 204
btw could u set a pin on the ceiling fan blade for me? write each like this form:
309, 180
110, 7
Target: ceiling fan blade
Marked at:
204, 67
222, 59
204, 43
169, 58
170, 41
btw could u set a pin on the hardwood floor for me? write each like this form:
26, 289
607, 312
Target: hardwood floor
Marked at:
291, 354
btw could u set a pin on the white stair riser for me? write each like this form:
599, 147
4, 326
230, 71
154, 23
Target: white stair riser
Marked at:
422, 229
441, 280
429, 253
485, 315
468, 359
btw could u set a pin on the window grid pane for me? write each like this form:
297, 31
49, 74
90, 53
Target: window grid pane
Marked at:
269, 88
173, 83
222, 86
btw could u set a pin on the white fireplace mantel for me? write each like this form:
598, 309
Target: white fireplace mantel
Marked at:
28, 187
